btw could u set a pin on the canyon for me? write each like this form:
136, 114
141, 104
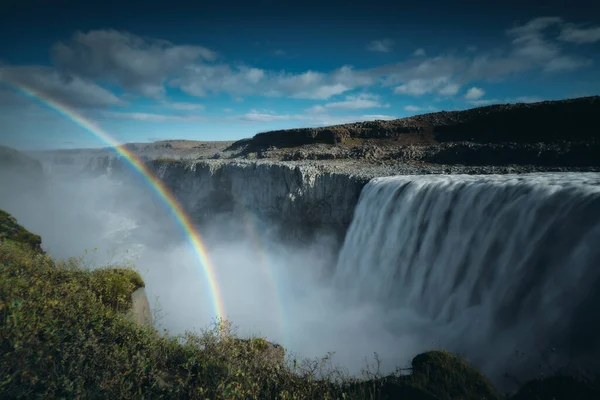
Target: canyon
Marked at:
437, 248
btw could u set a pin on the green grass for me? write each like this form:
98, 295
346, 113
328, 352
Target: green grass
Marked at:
65, 333
11, 230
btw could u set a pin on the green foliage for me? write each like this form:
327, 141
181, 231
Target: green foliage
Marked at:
11, 230
115, 286
448, 377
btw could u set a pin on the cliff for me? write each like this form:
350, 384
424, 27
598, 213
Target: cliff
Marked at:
13, 159
304, 198
18, 170
10, 230
551, 133
547, 121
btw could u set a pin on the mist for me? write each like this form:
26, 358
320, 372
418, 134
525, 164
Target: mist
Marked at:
280, 291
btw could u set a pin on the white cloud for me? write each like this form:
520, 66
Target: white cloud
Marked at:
265, 116
321, 92
148, 117
419, 87
422, 75
410, 108
530, 43
143, 66
449, 90
70, 90
566, 63
534, 49
381, 46
202, 80
416, 87
531, 49
308, 119
183, 106
254, 75
474, 93
228, 110
355, 102
135, 63
571, 33
533, 27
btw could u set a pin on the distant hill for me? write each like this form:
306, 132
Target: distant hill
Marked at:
547, 122
11, 230
16, 165
14, 159
146, 151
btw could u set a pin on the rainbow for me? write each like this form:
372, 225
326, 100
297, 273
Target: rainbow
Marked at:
154, 182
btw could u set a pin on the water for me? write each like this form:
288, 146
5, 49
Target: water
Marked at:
495, 265
497, 268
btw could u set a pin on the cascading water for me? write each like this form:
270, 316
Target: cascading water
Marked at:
493, 265
482, 265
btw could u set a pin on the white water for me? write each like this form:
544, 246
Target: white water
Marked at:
483, 265
492, 265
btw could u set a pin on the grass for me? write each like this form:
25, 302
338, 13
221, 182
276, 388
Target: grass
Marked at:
65, 333
11, 230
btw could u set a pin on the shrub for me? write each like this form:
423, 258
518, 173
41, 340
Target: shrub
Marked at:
11, 230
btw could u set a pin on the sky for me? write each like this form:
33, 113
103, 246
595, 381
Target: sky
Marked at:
147, 71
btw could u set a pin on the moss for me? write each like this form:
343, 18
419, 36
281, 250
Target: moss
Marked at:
115, 286
11, 230
259, 343
448, 377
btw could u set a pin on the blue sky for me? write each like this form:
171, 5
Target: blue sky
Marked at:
152, 71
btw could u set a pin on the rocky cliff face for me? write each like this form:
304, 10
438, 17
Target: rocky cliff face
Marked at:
304, 198
546, 122
546, 134
140, 312
11, 230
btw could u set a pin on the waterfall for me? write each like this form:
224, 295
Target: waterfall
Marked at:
496, 265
